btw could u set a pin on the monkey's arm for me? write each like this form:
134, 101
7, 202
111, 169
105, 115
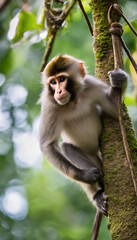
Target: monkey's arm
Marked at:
118, 80
79, 159
49, 135
106, 96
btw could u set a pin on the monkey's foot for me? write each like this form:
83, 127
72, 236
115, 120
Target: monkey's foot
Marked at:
101, 202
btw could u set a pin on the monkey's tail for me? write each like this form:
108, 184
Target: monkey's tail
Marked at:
96, 225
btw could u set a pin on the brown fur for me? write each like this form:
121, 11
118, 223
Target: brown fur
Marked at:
59, 64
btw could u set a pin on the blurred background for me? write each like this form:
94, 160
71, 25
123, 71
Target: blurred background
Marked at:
36, 202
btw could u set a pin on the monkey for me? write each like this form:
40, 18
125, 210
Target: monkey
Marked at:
72, 103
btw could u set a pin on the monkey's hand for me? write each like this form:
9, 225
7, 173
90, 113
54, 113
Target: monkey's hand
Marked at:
101, 202
91, 175
118, 78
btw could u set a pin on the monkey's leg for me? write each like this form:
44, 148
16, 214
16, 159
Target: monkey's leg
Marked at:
95, 191
97, 196
78, 158
61, 162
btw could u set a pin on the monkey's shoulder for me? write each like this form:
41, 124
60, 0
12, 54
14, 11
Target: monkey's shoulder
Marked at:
94, 82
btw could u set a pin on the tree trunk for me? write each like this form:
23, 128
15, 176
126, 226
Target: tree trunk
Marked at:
122, 203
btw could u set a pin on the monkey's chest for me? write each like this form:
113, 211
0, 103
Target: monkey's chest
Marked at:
84, 131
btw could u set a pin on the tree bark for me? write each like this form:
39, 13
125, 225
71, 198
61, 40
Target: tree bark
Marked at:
122, 200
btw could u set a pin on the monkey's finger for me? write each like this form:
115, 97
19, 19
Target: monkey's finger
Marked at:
104, 197
103, 208
104, 211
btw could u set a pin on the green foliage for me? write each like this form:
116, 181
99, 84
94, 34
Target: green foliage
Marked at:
130, 42
130, 100
57, 209
27, 22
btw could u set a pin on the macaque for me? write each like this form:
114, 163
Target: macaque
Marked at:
71, 106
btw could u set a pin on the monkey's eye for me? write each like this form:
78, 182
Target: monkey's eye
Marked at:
53, 82
62, 79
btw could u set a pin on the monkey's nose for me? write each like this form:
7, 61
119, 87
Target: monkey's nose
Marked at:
59, 91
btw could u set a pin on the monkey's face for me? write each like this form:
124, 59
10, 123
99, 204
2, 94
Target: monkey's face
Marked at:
58, 86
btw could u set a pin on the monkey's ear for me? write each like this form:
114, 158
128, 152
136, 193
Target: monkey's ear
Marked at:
82, 69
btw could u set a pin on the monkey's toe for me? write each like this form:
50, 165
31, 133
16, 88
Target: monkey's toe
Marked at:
101, 202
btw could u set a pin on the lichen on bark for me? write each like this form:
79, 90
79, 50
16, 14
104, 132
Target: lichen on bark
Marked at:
118, 182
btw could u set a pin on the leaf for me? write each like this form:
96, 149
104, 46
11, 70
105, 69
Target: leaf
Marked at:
134, 24
27, 22
127, 28
132, 70
130, 41
86, 4
130, 100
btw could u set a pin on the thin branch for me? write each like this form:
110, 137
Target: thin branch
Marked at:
119, 10
125, 143
116, 29
129, 55
55, 21
65, 13
3, 4
48, 51
86, 17
96, 225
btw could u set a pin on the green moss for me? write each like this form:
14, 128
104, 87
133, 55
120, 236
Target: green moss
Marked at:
131, 138
103, 42
118, 182
103, 39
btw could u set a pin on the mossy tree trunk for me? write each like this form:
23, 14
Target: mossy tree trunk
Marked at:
122, 203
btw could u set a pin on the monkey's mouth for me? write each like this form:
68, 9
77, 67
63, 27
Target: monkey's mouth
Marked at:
63, 99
